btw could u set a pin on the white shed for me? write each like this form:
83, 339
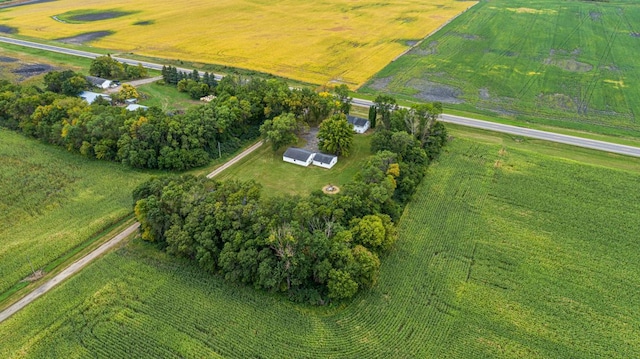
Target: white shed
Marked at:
360, 125
298, 156
90, 97
135, 106
324, 160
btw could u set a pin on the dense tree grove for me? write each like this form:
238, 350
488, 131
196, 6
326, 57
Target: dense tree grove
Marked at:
316, 248
108, 67
190, 82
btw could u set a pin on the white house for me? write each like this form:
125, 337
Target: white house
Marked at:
324, 160
298, 156
135, 106
100, 82
360, 125
90, 97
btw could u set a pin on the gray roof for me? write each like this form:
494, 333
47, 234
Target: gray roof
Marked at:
323, 158
298, 154
96, 81
357, 121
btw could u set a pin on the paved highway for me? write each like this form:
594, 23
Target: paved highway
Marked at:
459, 120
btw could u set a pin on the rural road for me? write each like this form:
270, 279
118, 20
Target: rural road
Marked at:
67, 272
90, 55
134, 83
527, 132
79, 264
459, 120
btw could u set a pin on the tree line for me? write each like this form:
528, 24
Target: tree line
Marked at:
148, 138
190, 82
314, 249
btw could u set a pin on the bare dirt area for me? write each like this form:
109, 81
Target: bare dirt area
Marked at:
106, 15
30, 70
312, 139
571, 65
7, 59
435, 92
84, 38
4, 29
381, 83
430, 49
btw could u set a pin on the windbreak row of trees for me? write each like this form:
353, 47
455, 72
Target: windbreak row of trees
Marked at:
190, 82
151, 138
110, 68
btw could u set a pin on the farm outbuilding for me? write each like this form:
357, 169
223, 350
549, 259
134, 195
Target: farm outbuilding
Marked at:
298, 156
324, 160
100, 82
360, 125
90, 97
135, 106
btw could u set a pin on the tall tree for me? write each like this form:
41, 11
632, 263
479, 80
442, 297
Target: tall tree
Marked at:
385, 104
342, 96
280, 131
335, 135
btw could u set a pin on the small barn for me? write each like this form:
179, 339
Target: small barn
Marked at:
99, 82
360, 125
90, 97
298, 156
324, 160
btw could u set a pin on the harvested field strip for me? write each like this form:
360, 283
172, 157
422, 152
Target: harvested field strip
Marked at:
503, 253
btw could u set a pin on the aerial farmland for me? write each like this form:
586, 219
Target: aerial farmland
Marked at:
318, 42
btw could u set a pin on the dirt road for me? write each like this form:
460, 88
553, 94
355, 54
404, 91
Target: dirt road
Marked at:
134, 83
79, 264
69, 271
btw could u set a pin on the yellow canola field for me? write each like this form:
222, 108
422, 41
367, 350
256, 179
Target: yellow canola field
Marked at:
326, 41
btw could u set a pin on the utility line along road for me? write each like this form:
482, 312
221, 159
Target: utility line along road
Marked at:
79, 264
527, 132
459, 120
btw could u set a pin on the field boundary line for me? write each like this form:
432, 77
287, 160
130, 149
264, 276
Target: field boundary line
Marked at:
67, 272
82, 262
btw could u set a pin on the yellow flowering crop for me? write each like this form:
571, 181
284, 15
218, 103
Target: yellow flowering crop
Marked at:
344, 41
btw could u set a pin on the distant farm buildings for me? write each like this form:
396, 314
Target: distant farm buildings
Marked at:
135, 106
302, 157
100, 82
90, 97
360, 125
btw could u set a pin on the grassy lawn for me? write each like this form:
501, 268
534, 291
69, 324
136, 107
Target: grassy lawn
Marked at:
504, 253
166, 97
554, 63
279, 177
52, 201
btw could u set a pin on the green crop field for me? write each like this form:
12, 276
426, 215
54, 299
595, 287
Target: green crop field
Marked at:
504, 253
279, 177
52, 201
569, 64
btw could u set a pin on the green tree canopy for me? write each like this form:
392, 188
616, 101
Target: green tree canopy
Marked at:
335, 135
280, 131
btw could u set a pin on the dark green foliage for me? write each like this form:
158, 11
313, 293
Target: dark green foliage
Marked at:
372, 116
65, 82
108, 67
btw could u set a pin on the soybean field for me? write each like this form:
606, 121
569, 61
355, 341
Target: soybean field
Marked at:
571, 64
503, 253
